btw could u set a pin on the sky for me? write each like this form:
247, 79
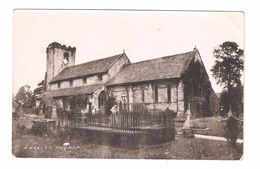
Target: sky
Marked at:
101, 33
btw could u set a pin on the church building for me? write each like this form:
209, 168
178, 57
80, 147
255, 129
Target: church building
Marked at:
178, 82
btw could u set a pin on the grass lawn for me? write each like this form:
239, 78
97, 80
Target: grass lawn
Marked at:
51, 146
182, 148
215, 124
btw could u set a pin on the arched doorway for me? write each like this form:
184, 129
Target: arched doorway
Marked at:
101, 99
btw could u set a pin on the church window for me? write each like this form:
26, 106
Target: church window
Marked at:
101, 99
143, 95
169, 92
58, 84
156, 93
100, 78
84, 80
71, 83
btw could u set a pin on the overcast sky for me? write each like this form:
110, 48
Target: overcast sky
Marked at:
98, 34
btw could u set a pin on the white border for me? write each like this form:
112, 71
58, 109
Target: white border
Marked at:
251, 76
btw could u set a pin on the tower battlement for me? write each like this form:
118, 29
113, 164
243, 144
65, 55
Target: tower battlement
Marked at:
59, 46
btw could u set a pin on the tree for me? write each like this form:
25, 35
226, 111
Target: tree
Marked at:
24, 97
231, 130
41, 87
228, 68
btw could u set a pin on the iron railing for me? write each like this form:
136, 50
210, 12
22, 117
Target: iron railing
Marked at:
126, 121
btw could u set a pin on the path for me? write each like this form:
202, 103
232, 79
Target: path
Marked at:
215, 138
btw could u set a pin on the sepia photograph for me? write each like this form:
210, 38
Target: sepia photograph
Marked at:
128, 84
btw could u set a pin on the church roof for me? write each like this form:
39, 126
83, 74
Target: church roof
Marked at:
72, 91
87, 69
167, 67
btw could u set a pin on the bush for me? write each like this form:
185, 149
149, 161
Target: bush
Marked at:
231, 130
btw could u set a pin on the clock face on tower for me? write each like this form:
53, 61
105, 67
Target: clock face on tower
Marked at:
65, 58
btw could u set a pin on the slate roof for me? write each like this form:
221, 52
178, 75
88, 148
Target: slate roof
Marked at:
72, 91
87, 69
161, 68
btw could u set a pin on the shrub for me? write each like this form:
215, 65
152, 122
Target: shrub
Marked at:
231, 130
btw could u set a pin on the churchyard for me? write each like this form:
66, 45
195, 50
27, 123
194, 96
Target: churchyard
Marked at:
52, 144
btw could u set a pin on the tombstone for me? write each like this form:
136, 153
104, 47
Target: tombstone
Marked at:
187, 123
54, 114
54, 111
187, 130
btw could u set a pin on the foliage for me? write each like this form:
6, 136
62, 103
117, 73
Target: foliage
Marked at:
226, 101
40, 88
231, 130
227, 70
228, 64
24, 97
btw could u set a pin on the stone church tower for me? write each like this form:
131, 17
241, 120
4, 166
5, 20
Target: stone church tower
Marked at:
58, 57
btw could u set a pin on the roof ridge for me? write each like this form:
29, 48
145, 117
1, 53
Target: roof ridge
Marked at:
95, 60
154, 69
112, 58
160, 58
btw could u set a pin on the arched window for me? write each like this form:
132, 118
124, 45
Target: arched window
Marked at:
101, 99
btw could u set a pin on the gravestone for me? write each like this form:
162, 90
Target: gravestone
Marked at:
187, 130
54, 114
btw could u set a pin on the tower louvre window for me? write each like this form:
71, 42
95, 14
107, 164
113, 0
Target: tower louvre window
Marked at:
66, 55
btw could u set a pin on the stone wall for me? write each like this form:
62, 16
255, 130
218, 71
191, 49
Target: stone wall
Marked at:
77, 82
117, 66
54, 86
118, 92
64, 84
135, 94
93, 79
55, 55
